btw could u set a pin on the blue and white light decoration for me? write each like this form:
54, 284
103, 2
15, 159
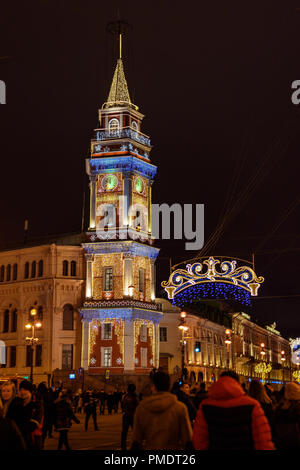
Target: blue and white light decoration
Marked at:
231, 283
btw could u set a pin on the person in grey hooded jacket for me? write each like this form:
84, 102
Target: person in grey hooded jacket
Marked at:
161, 421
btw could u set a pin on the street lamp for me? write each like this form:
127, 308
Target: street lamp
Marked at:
183, 327
227, 342
283, 359
32, 324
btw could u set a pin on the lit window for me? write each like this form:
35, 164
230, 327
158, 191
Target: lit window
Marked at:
143, 333
134, 125
113, 126
107, 331
108, 279
106, 357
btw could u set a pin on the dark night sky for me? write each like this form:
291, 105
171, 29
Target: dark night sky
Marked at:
214, 80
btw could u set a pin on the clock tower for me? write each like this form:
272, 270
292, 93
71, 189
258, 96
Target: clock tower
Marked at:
119, 316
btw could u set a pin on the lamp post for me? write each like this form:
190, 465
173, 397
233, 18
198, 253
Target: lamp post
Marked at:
283, 358
183, 327
228, 343
32, 324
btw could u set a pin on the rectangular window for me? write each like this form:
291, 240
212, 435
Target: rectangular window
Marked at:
143, 333
143, 357
107, 331
108, 279
142, 280
67, 356
29, 352
163, 335
3, 356
38, 355
13, 356
14, 320
106, 357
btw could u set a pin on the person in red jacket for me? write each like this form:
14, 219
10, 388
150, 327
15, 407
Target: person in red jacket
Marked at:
230, 420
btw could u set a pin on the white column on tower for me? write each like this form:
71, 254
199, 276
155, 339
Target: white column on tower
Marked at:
129, 363
128, 273
85, 344
93, 179
89, 275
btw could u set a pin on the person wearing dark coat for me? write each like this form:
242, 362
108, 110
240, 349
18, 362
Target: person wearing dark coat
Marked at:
90, 408
180, 391
258, 391
28, 416
110, 402
10, 435
200, 395
102, 399
287, 419
129, 404
63, 419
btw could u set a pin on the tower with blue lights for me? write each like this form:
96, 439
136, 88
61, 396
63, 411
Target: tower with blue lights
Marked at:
120, 318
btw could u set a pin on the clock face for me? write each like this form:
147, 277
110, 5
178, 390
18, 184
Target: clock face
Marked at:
109, 182
139, 185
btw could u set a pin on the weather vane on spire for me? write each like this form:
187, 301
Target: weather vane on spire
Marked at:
118, 28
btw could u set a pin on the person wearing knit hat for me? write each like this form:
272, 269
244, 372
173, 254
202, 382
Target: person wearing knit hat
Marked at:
292, 391
287, 419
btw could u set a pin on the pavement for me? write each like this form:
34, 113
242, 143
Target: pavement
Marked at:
108, 437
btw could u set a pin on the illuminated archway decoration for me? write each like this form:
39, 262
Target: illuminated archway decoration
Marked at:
233, 281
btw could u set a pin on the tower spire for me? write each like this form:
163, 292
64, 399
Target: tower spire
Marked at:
119, 93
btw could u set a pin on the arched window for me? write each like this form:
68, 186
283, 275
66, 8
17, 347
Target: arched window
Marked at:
26, 270
6, 321
68, 317
2, 273
41, 268
134, 126
73, 268
113, 126
65, 268
14, 322
33, 269
15, 272
8, 272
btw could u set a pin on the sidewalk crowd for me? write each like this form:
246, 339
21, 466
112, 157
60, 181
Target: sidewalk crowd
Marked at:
226, 416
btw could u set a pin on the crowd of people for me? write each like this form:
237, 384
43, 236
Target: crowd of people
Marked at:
226, 416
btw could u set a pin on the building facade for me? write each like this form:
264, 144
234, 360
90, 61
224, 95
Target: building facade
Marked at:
49, 278
206, 354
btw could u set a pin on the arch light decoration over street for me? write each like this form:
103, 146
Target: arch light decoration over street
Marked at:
229, 280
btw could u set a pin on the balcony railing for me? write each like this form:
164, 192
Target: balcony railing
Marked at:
126, 132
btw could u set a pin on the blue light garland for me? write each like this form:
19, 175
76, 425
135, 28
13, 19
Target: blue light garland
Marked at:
212, 290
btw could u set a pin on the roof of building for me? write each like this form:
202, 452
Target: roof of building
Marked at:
67, 239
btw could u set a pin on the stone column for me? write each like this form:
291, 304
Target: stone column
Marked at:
157, 344
93, 201
153, 275
129, 362
85, 344
89, 275
149, 206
